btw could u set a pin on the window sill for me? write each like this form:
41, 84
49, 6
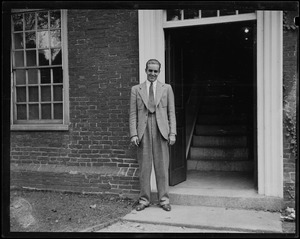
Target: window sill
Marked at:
44, 127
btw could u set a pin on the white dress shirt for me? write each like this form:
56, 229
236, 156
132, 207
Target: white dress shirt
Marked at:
148, 83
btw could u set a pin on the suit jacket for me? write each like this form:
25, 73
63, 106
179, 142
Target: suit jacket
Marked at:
165, 110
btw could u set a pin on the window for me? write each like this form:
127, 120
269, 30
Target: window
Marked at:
39, 70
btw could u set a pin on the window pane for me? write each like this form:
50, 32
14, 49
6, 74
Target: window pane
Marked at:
55, 19
21, 112
208, 13
33, 112
227, 12
33, 94
173, 15
191, 13
57, 75
57, 92
21, 94
45, 76
31, 58
43, 39
30, 38
20, 77
58, 111
245, 11
19, 58
42, 20
55, 38
46, 93
18, 41
32, 76
56, 56
30, 21
44, 56
46, 111
18, 22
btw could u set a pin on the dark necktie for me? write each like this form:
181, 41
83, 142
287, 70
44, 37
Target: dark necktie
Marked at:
151, 103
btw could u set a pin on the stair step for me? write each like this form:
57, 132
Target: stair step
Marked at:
220, 166
221, 189
223, 119
221, 130
219, 141
213, 153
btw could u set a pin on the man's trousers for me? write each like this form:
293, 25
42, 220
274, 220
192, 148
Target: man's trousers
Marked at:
153, 147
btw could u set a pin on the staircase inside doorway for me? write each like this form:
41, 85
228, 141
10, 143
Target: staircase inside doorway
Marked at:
222, 136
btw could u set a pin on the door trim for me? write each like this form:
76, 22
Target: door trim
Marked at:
269, 88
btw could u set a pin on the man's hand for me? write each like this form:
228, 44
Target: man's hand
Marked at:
135, 140
172, 139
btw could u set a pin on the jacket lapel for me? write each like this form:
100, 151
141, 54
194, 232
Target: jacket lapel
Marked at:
143, 93
159, 91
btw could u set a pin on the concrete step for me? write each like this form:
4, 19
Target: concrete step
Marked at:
214, 219
226, 119
220, 165
215, 153
221, 130
234, 190
219, 141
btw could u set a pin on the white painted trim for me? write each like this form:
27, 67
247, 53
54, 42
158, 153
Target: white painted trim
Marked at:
151, 41
209, 20
269, 103
269, 85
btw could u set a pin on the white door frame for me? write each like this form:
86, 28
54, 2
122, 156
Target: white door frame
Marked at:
269, 83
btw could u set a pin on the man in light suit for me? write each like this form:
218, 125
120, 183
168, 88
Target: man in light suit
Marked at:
152, 129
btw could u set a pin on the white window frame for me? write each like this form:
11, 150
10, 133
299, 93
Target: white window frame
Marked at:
47, 126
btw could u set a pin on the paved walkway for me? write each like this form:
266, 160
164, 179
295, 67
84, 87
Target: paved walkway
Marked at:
198, 219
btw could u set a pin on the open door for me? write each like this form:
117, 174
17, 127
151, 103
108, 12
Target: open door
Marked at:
174, 76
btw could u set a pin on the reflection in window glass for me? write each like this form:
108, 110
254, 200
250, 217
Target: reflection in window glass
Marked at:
33, 94
208, 13
30, 39
18, 41
31, 58
227, 12
46, 93
58, 111
30, 21
42, 20
57, 92
46, 111
33, 111
20, 77
173, 15
55, 19
57, 75
19, 58
43, 39
21, 112
44, 56
45, 76
18, 22
55, 38
191, 13
32, 76
21, 94
56, 56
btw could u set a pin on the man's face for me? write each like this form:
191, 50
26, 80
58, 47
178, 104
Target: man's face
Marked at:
152, 72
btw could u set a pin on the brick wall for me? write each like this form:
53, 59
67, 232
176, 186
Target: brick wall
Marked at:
94, 155
290, 79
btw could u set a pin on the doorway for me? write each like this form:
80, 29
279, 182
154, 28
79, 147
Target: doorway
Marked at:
217, 62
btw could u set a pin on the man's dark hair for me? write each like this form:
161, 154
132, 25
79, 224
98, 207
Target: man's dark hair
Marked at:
153, 61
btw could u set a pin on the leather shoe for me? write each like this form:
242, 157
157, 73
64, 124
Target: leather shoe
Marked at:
166, 207
140, 207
